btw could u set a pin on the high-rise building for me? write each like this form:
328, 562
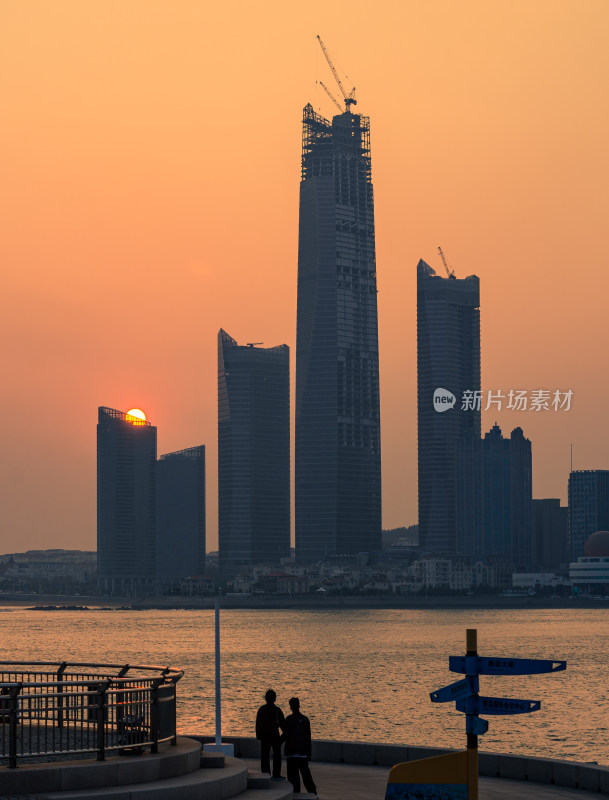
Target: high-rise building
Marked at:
338, 444
550, 535
180, 514
448, 358
126, 463
507, 496
494, 497
253, 454
588, 507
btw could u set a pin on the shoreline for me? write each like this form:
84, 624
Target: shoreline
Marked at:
86, 603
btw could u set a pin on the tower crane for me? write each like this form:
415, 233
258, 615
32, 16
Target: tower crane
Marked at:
253, 344
450, 272
349, 98
331, 96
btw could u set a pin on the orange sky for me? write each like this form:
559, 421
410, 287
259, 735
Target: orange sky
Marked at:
149, 196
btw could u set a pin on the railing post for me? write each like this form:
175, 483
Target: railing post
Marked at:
12, 725
154, 715
60, 671
101, 720
174, 741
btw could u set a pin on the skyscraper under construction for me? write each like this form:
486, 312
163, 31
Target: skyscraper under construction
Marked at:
338, 444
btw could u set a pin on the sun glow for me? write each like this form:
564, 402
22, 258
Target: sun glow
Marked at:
136, 416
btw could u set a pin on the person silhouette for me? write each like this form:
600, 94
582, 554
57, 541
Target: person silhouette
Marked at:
269, 721
297, 738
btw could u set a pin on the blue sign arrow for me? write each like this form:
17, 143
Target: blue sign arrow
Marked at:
476, 725
497, 705
484, 665
452, 692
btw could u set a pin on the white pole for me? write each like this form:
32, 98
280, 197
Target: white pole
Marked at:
217, 746
218, 698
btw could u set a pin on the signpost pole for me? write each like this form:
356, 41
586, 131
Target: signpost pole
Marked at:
471, 648
465, 693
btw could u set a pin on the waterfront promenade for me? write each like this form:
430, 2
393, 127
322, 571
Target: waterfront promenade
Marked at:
349, 782
182, 773
358, 771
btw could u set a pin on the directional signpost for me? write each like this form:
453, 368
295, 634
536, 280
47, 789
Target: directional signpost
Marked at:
454, 691
497, 705
505, 666
465, 695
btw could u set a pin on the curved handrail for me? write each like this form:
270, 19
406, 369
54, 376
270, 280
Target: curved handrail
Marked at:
63, 709
58, 664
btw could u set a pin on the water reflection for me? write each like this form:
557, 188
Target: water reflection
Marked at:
363, 674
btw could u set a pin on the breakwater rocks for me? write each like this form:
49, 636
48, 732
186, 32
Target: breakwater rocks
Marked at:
486, 602
58, 608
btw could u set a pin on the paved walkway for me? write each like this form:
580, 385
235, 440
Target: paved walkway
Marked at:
348, 782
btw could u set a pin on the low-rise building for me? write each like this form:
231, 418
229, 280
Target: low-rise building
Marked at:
198, 586
591, 571
536, 580
292, 584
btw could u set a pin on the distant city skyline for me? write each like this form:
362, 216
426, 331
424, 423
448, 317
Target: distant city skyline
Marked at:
148, 200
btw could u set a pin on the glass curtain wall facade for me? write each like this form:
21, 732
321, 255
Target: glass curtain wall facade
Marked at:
338, 446
126, 463
180, 514
448, 357
253, 454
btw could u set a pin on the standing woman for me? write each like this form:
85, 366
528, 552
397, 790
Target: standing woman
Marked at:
269, 721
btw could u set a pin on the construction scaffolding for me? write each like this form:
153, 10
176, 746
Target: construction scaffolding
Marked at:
346, 136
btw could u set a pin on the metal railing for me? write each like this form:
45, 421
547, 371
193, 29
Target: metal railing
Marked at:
53, 709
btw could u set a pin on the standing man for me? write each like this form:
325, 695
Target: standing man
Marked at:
269, 720
297, 738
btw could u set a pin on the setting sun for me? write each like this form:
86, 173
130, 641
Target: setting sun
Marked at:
135, 415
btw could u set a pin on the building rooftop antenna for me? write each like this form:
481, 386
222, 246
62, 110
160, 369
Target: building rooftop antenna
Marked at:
348, 98
450, 272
